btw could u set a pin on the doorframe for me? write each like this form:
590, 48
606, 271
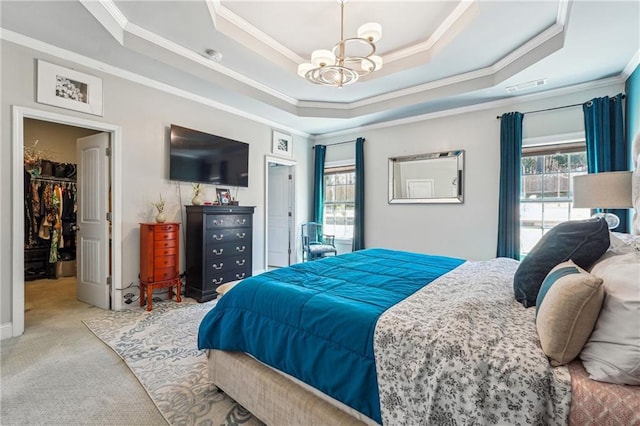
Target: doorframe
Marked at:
19, 113
292, 236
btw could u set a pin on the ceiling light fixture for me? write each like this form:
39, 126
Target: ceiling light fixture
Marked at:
344, 64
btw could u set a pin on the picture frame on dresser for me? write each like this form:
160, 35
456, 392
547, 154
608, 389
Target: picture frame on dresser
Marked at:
223, 196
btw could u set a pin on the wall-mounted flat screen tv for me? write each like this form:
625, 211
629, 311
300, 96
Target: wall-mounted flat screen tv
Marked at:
196, 156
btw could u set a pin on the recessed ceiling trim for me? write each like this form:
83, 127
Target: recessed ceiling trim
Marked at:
453, 23
242, 31
109, 16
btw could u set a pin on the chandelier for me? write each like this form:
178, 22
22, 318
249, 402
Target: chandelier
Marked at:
348, 60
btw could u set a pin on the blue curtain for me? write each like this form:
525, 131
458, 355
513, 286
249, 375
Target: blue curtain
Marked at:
358, 219
607, 150
510, 170
318, 183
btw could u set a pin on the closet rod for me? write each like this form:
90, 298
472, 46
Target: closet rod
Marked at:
53, 179
551, 109
339, 143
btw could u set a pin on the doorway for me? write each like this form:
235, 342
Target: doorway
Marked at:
280, 233
25, 117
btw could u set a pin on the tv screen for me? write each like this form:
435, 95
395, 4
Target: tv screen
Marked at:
201, 157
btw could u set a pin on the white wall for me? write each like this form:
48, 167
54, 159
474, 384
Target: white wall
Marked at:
467, 230
144, 115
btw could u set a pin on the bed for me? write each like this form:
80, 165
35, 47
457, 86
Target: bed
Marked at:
384, 336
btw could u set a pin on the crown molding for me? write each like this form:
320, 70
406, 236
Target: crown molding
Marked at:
89, 63
632, 65
476, 107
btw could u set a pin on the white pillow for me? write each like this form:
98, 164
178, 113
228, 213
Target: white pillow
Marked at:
612, 353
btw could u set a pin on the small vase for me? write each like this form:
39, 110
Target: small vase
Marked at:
197, 200
160, 217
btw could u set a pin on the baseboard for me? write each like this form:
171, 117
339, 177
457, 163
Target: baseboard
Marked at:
6, 331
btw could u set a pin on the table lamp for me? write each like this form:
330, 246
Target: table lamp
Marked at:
605, 190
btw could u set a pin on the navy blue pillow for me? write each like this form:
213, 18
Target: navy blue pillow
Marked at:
582, 241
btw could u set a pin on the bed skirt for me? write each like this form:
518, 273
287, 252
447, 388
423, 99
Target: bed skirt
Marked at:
273, 397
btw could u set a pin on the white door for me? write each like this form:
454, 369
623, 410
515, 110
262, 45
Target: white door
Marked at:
279, 215
93, 234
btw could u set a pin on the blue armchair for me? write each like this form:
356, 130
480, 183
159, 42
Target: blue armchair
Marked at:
315, 244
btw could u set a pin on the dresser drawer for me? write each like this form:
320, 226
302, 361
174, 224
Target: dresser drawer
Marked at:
227, 263
170, 227
216, 251
214, 279
160, 274
228, 221
164, 236
161, 244
164, 261
224, 235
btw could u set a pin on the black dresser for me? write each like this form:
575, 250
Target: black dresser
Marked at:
218, 248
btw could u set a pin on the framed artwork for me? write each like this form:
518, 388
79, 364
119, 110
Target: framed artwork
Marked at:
70, 89
224, 196
281, 144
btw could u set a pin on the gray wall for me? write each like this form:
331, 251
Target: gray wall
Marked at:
467, 230
144, 115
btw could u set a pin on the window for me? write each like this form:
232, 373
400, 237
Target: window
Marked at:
339, 201
546, 196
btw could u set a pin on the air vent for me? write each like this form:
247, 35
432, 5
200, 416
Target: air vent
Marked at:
527, 85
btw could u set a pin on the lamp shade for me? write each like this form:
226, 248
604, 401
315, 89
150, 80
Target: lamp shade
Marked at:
606, 190
371, 31
304, 68
321, 58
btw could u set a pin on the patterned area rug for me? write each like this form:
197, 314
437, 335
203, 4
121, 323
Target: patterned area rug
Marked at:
160, 348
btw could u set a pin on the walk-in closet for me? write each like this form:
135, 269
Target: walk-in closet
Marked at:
50, 189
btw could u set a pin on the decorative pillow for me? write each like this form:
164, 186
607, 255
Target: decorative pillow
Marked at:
582, 241
612, 353
567, 308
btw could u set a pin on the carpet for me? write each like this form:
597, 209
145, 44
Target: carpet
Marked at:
160, 349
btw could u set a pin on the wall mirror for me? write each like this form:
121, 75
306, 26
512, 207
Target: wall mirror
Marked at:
435, 177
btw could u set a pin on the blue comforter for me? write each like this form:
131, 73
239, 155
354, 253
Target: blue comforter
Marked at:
315, 321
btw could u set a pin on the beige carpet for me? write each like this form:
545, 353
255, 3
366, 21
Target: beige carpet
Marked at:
58, 373
160, 347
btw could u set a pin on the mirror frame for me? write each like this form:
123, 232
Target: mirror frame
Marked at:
459, 199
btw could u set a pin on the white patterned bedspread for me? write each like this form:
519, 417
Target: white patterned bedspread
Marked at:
463, 351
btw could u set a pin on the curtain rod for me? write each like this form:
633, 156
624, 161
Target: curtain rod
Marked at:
339, 143
551, 109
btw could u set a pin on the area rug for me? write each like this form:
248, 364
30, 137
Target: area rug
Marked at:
160, 348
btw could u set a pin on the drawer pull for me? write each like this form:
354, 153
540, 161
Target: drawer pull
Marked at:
241, 221
217, 252
239, 235
166, 236
216, 222
218, 281
241, 262
218, 266
240, 249
240, 276
218, 238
